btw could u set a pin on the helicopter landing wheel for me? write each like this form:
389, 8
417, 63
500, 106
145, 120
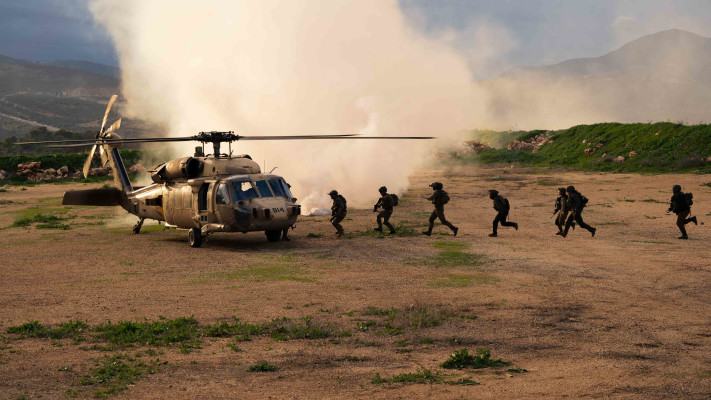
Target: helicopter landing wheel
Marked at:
273, 236
195, 237
137, 227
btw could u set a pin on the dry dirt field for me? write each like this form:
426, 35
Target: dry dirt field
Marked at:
622, 315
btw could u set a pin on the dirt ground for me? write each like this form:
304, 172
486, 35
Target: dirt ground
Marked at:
622, 315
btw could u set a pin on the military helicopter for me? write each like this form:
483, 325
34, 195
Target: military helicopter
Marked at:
204, 194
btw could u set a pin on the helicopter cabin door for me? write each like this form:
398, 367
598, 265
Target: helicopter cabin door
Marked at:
202, 211
223, 203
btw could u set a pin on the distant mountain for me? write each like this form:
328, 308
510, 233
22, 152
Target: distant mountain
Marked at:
24, 76
63, 94
659, 77
101, 69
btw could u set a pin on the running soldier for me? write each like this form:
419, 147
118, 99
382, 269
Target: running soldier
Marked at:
439, 198
576, 203
681, 206
387, 202
561, 208
338, 211
502, 207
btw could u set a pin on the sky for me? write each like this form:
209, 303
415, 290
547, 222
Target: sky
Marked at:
493, 34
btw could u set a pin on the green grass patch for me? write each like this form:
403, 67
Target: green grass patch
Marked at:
263, 366
314, 235
113, 374
43, 221
182, 331
461, 359
33, 329
421, 376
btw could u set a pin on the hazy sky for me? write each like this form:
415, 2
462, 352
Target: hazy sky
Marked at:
494, 34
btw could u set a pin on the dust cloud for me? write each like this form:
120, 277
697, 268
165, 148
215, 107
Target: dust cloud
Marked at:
295, 68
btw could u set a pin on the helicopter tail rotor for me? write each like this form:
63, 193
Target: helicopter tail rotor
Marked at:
101, 136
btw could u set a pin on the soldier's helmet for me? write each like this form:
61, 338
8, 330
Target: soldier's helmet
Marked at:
570, 188
436, 185
383, 189
561, 190
333, 193
493, 193
676, 188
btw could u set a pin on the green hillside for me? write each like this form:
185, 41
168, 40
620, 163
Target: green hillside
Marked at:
660, 147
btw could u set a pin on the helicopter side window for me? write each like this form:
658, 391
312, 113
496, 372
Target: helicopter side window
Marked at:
243, 190
264, 189
223, 194
277, 188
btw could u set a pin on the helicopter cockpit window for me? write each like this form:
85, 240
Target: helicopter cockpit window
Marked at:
264, 189
286, 188
277, 188
243, 190
223, 194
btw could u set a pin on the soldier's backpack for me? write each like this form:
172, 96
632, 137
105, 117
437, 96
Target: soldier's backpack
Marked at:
583, 201
507, 206
445, 197
344, 201
689, 198
395, 199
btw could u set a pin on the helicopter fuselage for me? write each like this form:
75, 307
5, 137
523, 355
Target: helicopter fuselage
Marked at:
221, 203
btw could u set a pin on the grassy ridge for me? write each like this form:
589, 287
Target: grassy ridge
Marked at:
660, 147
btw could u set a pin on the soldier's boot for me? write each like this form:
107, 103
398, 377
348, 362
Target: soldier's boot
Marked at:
285, 237
428, 232
455, 229
684, 237
559, 233
378, 229
493, 234
515, 225
592, 231
693, 219
391, 227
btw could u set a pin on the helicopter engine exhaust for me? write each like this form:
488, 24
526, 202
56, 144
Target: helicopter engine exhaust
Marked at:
187, 168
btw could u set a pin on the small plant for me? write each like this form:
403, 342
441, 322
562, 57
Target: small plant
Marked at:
423, 376
463, 382
462, 359
389, 330
364, 325
234, 347
44, 221
263, 366
314, 235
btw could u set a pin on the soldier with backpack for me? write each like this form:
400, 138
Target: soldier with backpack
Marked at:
576, 203
387, 202
338, 211
502, 207
561, 208
439, 198
681, 206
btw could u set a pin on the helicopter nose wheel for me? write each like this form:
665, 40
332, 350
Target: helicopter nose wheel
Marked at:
195, 237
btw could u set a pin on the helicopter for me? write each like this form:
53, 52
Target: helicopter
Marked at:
203, 193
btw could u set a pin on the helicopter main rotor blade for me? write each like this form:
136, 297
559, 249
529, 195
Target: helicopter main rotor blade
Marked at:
106, 114
307, 137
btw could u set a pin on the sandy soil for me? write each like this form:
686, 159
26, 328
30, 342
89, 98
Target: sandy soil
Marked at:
622, 315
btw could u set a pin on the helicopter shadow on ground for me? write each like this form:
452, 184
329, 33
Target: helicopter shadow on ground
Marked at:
242, 243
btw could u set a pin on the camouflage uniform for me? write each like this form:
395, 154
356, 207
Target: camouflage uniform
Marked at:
561, 207
438, 198
338, 211
681, 208
502, 208
387, 203
575, 205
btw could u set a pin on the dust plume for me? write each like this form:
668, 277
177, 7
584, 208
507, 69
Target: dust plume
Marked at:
294, 68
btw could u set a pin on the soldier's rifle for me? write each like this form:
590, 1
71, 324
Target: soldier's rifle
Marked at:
378, 204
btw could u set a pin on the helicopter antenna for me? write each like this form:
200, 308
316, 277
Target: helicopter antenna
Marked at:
273, 169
